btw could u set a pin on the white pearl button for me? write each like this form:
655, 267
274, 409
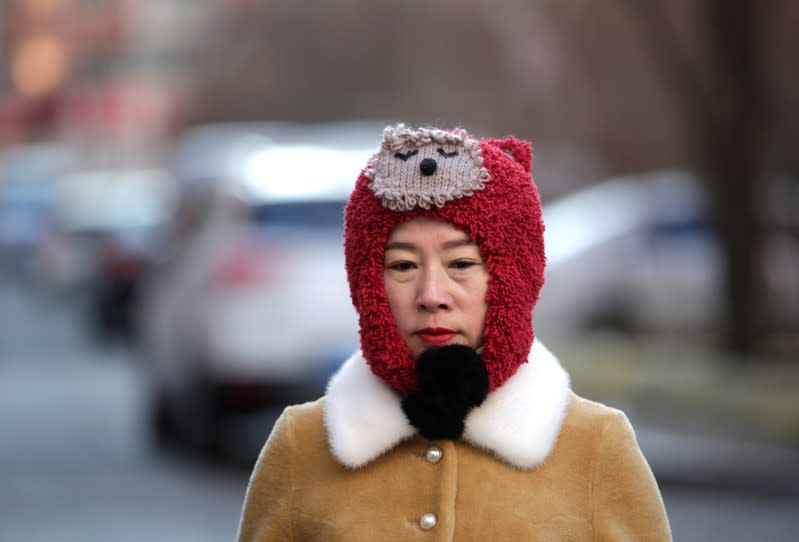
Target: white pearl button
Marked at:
428, 521
434, 454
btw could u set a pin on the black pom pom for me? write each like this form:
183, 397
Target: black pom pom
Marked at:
452, 380
433, 416
456, 372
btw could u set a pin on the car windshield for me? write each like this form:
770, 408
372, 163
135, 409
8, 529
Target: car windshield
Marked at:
303, 214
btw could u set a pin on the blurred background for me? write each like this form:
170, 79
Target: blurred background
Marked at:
172, 176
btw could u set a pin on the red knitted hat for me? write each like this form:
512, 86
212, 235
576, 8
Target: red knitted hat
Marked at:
484, 187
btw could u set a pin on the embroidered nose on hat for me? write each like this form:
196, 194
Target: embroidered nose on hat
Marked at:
428, 166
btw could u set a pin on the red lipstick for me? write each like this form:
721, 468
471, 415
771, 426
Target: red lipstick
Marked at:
436, 335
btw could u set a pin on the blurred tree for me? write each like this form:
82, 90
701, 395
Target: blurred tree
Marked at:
722, 89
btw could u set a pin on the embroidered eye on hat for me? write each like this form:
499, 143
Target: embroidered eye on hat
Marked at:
481, 186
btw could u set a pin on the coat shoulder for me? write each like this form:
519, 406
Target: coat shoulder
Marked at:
585, 412
305, 412
587, 422
306, 420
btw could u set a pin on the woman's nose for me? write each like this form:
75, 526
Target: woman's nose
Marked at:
432, 294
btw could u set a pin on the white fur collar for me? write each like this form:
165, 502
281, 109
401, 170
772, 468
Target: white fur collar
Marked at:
519, 422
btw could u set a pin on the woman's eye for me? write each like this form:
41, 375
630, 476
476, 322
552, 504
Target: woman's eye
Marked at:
463, 264
446, 154
401, 266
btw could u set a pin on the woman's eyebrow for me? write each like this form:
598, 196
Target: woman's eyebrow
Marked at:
401, 245
459, 243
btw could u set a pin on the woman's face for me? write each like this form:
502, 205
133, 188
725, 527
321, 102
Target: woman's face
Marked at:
436, 283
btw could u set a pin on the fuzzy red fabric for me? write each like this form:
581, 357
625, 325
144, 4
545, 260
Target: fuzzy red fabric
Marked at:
505, 220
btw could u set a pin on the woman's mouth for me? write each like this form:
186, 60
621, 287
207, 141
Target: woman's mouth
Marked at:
436, 335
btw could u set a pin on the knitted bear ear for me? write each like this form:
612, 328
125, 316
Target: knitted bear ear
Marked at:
519, 150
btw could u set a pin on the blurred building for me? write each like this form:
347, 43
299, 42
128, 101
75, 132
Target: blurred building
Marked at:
102, 76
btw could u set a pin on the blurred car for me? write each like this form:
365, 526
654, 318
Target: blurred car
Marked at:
110, 223
28, 177
637, 254
249, 307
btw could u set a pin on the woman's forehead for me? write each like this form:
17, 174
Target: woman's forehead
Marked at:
428, 231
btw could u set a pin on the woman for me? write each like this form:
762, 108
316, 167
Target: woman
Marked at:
452, 422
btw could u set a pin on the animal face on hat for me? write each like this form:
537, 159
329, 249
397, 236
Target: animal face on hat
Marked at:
481, 186
426, 167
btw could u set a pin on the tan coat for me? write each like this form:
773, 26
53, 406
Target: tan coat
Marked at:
329, 471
